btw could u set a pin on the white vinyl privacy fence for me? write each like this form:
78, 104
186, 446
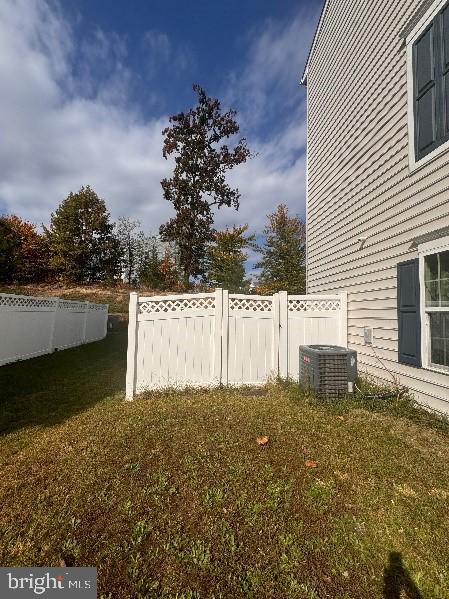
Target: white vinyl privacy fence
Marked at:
221, 338
32, 326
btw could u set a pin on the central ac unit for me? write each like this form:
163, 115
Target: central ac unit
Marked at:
330, 371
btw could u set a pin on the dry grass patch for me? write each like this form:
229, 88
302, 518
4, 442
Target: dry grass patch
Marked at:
117, 296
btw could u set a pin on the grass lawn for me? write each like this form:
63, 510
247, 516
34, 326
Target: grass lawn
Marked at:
170, 496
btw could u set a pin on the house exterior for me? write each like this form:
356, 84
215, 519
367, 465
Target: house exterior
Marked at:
377, 83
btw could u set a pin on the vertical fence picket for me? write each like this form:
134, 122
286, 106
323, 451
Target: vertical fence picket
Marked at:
106, 320
218, 326
283, 334
132, 346
86, 316
225, 339
53, 327
276, 331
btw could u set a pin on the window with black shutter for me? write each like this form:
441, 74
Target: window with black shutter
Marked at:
431, 85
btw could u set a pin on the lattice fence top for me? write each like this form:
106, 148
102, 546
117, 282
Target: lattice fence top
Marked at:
176, 305
250, 304
98, 307
27, 303
46, 304
313, 305
70, 306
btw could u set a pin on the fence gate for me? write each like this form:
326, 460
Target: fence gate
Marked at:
221, 338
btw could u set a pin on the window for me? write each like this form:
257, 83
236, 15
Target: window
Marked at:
423, 307
439, 339
436, 285
428, 73
434, 303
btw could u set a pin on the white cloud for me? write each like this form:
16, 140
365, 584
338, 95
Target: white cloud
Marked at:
55, 138
161, 53
277, 52
62, 128
276, 55
158, 44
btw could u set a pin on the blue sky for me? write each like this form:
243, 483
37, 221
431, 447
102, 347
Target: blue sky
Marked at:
87, 87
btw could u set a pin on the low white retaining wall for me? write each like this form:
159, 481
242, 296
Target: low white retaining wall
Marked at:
32, 326
218, 338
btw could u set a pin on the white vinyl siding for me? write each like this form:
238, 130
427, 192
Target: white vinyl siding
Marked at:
359, 180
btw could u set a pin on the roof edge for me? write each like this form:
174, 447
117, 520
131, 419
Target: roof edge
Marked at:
303, 80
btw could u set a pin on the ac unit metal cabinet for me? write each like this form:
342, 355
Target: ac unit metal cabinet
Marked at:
330, 371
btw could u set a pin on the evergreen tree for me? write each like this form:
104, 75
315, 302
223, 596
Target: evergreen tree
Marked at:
226, 259
283, 254
82, 244
199, 177
149, 272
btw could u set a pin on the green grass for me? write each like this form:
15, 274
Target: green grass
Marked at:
170, 496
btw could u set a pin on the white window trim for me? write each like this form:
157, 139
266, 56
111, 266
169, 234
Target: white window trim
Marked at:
427, 249
411, 39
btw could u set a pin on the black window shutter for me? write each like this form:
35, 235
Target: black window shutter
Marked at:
425, 92
409, 317
444, 25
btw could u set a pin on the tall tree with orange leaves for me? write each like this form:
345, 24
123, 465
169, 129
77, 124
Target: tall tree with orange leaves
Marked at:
31, 254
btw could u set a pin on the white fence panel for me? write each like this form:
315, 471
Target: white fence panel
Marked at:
26, 325
175, 337
312, 322
32, 326
213, 338
69, 324
251, 354
96, 322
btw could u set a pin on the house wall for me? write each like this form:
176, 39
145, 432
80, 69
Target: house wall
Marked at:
359, 180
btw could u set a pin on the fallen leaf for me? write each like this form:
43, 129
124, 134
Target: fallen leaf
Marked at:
62, 563
340, 418
262, 441
311, 464
327, 579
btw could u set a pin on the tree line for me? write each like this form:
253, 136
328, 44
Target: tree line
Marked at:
82, 245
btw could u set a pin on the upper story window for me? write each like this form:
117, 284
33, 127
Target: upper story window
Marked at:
428, 72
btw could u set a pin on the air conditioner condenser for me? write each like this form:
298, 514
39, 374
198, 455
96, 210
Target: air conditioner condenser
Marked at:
328, 370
